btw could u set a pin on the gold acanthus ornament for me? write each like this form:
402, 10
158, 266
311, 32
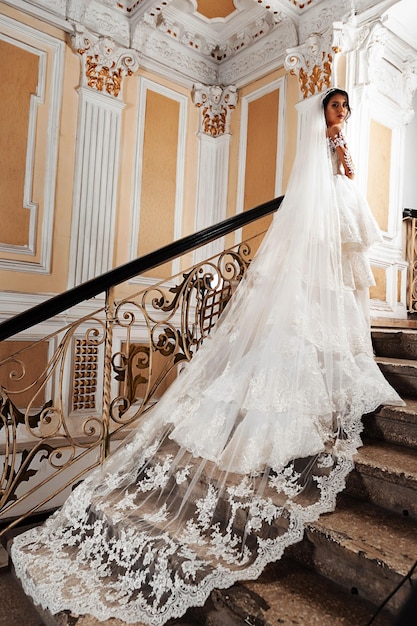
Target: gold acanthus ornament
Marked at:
318, 79
105, 63
214, 102
312, 62
104, 78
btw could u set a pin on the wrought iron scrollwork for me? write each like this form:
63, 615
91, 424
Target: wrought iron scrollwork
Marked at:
100, 374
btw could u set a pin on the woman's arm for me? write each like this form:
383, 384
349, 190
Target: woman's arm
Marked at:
339, 142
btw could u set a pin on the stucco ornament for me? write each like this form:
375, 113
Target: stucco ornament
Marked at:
312, 63
105, 64
214, 102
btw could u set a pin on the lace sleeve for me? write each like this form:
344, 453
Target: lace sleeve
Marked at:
339, 141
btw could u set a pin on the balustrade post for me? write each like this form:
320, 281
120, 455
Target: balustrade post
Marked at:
107, 374
411, 257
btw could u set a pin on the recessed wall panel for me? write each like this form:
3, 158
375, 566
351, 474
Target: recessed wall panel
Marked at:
20, 75
379, 167
159, 175
261, 156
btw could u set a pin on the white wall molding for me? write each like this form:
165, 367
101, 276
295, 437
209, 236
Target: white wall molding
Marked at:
12, 303
144, 84
50, 83
281, 85
50, 11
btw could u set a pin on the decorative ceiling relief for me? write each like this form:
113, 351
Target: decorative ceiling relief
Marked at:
321, 17
212, 9
214, 102
218, 41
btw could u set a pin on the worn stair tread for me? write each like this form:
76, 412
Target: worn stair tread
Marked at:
398, 362
16, 608
299, 595
389, 460
407, 413
392, 323
394, 334
371, 533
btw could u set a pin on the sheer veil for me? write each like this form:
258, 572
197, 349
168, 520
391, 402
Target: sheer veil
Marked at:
252, 441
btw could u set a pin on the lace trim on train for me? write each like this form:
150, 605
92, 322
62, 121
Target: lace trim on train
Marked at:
128, 558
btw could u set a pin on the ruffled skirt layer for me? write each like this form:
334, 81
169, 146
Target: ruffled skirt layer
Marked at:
358, 231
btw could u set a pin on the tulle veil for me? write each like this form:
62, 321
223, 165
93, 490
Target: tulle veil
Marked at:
253, 440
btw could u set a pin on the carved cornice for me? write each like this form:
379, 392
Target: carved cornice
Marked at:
175, 40
213, 46
320, 18
105, 63
386, 65
214, 102
267, 54
168, 57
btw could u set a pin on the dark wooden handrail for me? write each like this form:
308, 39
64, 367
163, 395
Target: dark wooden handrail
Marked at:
90, 288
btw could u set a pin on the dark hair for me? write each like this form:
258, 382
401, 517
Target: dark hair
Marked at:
334, 92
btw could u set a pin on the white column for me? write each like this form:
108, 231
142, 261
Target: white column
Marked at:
212, 179
104, 65
215, 103
95, 185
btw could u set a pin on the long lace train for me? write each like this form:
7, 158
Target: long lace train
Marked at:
252, 441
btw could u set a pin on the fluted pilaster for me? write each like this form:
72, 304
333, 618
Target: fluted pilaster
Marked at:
104, 65
215, 104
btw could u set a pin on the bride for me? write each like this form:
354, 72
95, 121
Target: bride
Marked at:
255, 437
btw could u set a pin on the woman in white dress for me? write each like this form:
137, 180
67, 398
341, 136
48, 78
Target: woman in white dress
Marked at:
255, 437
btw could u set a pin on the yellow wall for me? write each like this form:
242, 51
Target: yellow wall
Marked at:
379, 166
261, 156
23, 56
158, 174
159, 186
20, 72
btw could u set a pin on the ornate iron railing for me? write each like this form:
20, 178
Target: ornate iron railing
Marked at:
410, 220
68, 398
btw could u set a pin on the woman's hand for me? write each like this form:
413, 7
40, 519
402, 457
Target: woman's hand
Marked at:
339, 142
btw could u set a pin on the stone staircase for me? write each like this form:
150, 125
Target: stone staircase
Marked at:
350, 560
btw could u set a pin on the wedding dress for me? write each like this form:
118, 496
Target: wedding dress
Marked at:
254, 438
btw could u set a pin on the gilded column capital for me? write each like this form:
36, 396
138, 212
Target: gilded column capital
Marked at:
312, 63
214, 102
104, 63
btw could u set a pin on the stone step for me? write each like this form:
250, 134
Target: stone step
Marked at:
395, 343
386, 475
364, 549
16, 609
299, 595
401, 374
285, 593
389, 324
394, 424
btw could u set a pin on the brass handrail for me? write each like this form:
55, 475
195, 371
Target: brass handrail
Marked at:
114, 277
